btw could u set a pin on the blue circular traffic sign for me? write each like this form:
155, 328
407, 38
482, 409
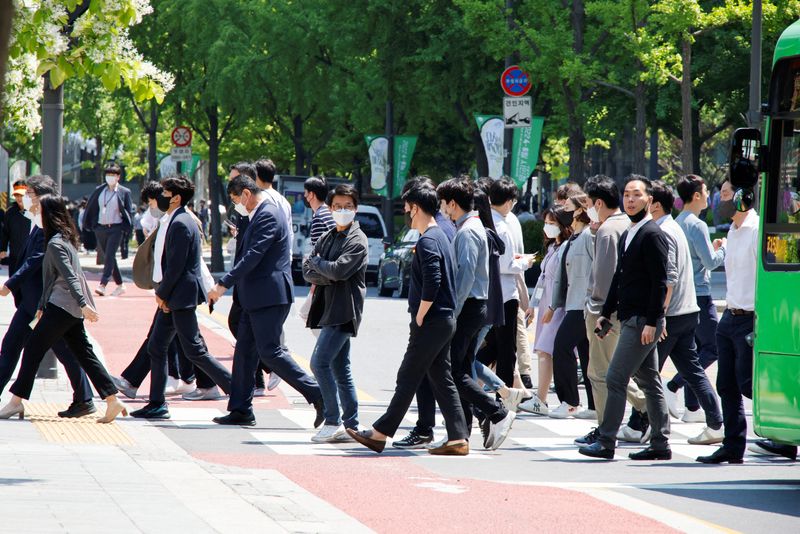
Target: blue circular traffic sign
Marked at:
515, 81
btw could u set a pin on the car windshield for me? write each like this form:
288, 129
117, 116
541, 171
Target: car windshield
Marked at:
370, 225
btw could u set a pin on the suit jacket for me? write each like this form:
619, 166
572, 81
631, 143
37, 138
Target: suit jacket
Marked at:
182, 278
14, 234
639, 285
92, 213
262, 275
27, 280
63, 281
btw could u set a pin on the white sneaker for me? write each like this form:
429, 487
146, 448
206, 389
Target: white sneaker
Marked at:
498, 432
564, 411
437, 444
673, 402
630, 435
119, 290
328, 433
101, 290
586, 414
514, 399
534, 405
172, 386
200, 394
185, 387
273, 382
708, 436
260, 392
697, 416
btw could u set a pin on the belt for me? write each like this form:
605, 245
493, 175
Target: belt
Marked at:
737, 311
109, 225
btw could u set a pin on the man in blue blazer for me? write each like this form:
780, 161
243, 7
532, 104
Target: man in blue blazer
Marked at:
263, 281
26, 282
180, 290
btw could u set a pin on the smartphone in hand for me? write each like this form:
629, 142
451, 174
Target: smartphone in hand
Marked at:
606, 328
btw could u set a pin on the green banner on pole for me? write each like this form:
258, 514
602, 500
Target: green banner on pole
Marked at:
525, 150
378, 146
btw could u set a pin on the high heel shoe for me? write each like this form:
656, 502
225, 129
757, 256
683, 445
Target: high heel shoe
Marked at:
10, 410
113, 409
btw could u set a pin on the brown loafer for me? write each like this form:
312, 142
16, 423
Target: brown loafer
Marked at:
364, 437
456, 449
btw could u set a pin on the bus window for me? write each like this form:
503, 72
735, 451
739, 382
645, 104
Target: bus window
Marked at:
782, 217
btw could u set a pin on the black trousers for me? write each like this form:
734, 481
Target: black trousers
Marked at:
462, 351
427, 355
109, 239
734, 377
17, 335
183, 324
56, 324
571, 335
501, 345
680, 347
234, 316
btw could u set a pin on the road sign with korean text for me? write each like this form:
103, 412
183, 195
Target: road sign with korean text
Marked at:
517, 112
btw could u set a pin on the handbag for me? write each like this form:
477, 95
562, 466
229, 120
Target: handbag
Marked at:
143, 263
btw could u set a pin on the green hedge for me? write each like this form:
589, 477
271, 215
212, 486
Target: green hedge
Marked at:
533, 236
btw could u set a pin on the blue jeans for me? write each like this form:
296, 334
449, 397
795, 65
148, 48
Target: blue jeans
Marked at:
330, 363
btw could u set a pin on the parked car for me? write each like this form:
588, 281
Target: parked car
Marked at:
371, 222
394, 271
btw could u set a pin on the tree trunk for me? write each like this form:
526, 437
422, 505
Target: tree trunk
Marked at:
640, 136
653, 174
6, 15
151, 141
576, 143
697, 143
299, 152
687, 158
577, 139
217, 262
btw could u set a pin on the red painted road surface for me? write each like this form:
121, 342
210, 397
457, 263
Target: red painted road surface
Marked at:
388, 494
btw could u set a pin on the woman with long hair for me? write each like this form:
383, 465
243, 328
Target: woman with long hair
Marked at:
557, 230
66, 301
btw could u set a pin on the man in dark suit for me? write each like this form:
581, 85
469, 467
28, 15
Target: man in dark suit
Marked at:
109, 213
26, 284
15, 230
180, 290
263, 282
637, 294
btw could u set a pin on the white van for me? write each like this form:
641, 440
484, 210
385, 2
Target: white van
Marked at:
371, 222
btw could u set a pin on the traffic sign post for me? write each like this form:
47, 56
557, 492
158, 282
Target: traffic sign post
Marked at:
181, 136
181, 153
515, 81
517, 112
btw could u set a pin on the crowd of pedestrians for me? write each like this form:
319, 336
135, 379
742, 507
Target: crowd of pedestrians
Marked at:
623, 287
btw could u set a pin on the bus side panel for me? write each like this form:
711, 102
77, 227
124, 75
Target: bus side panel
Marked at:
776, 406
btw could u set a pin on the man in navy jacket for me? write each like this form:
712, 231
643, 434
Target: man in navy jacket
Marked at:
263, 281
179, 292
26, 282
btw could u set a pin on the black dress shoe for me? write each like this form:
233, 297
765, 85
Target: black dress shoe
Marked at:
236, 419
319, 405
526, 381
78, 409
787, 451
595, 450
364, 437
719, 456
651, 454
152, 411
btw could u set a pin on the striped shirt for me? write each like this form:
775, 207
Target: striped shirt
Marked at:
321, 222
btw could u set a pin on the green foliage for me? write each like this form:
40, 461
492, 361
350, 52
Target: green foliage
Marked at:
533, 237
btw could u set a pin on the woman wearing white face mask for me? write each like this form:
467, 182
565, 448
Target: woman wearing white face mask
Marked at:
556, 231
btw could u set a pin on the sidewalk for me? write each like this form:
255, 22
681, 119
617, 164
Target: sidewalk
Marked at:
61, 475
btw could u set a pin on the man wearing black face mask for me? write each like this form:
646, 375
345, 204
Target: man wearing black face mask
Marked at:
637, 294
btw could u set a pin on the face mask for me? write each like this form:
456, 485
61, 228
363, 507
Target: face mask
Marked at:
551, 231
593, 216
726, 209
241, 210
639, 215
156, 213
343, 217
163, 202
28, 215
111, 179
37, 220
27, 202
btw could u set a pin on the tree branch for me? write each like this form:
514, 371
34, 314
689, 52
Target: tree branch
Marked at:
228, 123
621, 89
198, 130
714, 131
139, 114
675, 79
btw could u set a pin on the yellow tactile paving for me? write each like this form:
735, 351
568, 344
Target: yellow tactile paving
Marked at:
80, 430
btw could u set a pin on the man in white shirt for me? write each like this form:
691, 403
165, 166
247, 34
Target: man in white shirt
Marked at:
265, 176
735, 363
524, 354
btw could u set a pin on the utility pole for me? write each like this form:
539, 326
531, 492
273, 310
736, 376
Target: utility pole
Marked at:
754, 110
508, 133
388, 206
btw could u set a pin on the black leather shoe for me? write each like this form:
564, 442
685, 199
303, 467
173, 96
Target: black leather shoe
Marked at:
152, 411
78, 409
651, 454
595, 450
787, 451
720, 456
320, 407
236, 419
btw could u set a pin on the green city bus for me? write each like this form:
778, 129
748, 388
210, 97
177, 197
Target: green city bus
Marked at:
776, 357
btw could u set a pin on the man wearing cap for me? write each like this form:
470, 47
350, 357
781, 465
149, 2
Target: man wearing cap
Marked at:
109, 213
15, 230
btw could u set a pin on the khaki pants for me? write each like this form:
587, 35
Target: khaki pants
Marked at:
524, 354
600, 353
